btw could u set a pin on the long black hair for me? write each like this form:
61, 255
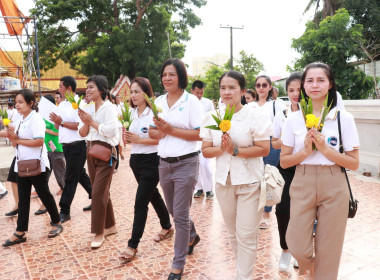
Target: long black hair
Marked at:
101, 83
29, 96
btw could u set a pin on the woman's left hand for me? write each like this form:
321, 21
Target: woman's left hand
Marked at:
227, 141
85, 117
319, 140
131, 137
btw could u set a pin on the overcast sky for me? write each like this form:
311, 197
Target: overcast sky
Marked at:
269, 27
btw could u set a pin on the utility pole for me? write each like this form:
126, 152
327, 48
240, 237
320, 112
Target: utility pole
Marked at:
170, 48
231, 42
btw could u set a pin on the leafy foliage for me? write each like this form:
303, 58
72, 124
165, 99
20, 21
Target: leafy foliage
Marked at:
113, 37
250, 67
334, 41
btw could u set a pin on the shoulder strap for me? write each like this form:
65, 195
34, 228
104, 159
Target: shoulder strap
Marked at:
341, 151
274, 109
285, 114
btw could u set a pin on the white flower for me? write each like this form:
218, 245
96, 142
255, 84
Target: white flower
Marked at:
159, 108
126, 125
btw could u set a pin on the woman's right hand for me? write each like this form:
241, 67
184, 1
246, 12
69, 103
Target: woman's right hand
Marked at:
308, 143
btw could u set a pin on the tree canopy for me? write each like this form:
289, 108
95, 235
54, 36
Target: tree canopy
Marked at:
113, 37
334, 41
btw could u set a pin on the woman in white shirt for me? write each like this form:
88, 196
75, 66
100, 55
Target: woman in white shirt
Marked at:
144, 164
264, 90
102, 130
29, 138
238, 152
319, 187
293, 88
177, 130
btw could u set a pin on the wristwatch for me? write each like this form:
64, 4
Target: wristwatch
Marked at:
62, 122
236, 151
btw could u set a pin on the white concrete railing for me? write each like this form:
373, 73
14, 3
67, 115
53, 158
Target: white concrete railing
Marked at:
367, 118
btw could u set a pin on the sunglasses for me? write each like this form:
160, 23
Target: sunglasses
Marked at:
264, 85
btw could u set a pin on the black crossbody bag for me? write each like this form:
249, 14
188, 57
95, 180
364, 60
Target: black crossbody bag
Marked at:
353, 203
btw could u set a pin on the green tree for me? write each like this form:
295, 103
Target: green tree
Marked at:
113, 37
211, 80
329, 8
334, 41
249, 66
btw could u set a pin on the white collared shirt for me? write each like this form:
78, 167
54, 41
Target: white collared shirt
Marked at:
268, 107
294, 133
186, 113
32, 127
247, 125
68, 114
279, 121
108, 130
140, 126
207, 104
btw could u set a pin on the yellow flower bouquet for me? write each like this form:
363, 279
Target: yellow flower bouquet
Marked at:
4, 116
126, 116
223, 124
70, 97
312, 121
156, 108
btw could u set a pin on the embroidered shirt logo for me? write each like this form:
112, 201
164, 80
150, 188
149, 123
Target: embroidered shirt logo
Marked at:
333, 141
144, 129
180, 109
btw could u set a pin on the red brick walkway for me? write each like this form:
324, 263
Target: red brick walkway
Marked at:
70, 257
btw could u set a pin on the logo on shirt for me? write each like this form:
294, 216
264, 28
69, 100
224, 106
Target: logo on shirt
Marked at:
144, 129
180, 109
333, 141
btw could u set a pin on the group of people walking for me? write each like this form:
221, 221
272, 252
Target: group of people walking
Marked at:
166, 150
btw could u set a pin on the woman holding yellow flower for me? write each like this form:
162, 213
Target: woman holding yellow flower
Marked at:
319, 188
237, 152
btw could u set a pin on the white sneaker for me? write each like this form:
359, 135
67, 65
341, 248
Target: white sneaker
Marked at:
295, 264
284, 263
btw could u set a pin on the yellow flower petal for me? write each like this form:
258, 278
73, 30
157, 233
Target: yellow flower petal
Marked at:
225, 125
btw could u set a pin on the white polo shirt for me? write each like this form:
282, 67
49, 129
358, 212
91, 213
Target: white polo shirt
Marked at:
294, 133
68, 114
279, 121
247, 125
186, 113
32, 127
207, 104
268, 106
253, 105
140, 126
108, 130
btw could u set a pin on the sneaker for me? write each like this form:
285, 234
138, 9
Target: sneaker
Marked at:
284, 263
198, 194
209, 195
295, 264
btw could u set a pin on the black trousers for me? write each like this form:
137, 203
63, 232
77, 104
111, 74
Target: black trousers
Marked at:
283, 208
40, 183
75, 155
145, 169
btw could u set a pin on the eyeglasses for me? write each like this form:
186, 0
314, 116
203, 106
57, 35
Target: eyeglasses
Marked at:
264, 85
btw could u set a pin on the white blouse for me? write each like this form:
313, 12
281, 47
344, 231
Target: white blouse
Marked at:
140, 126
32, 127
108, 130
294, 133
247, 125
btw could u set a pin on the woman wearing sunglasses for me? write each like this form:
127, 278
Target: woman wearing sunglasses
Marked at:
264, 90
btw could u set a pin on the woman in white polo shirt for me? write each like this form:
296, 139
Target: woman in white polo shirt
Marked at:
144, 163
102, 130
29, 138
293, 88
264, 90
177, 130
238, 152
319, 188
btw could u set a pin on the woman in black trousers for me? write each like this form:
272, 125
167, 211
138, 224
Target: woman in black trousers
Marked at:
144, 163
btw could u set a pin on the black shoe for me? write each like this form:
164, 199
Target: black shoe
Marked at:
12, 213
40, 212
195, 242
20, 239
64, 217
87, 208
209, 195
3, 194
175, 276
198, 194
55, 232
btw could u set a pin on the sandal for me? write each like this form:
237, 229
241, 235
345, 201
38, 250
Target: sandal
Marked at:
127, 257
55, 232
20, 239
160, 237
264, 223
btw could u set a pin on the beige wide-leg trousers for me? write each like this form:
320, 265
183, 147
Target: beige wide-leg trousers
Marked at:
322, 192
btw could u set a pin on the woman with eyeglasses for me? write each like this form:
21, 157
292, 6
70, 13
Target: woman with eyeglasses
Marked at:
264, 90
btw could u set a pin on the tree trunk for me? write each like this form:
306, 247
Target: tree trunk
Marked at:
115, 13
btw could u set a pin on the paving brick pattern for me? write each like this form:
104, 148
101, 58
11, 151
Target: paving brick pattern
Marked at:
69, 256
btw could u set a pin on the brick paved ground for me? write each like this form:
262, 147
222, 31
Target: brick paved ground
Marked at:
70, 257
